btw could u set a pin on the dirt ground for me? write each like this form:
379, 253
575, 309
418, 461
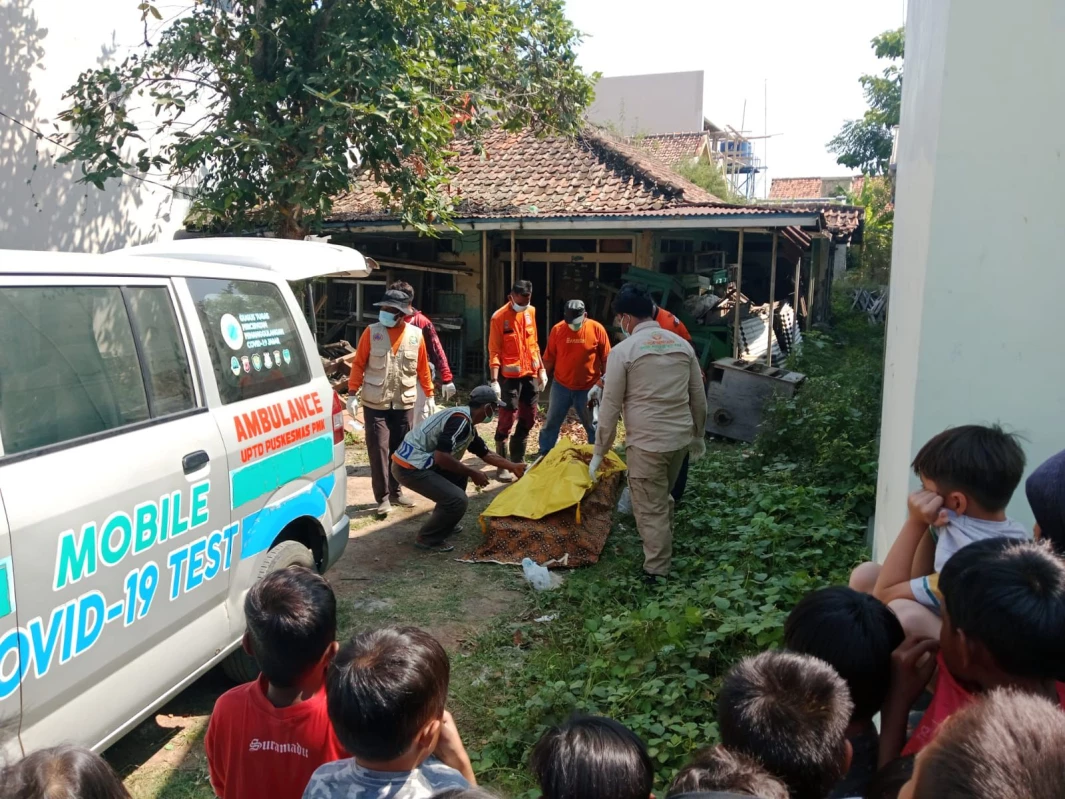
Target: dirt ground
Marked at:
380, 579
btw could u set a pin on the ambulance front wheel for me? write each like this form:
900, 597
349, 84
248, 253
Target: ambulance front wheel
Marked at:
240, 666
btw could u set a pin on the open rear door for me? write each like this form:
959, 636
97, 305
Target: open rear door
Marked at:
293, 260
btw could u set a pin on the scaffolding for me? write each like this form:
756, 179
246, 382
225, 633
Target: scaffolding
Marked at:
733, 153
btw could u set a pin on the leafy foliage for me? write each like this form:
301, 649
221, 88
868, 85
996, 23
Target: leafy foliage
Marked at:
267, 104
865, 143
759, 527
876, 196
709, 177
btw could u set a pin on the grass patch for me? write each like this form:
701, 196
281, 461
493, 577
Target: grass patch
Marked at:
183, 777
760, 526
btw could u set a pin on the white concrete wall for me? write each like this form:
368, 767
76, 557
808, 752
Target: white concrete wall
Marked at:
44, 45
977, 282
671, 102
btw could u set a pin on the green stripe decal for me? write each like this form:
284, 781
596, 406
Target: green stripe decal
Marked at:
7, 588
274, 471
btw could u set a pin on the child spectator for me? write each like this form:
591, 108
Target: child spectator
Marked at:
1003, 627
63, 772
387, 693
968, 475
725, 773
789, 712
591, 757
1009, 745
267, 737
1045, 489
855, 634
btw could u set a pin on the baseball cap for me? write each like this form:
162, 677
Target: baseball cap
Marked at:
400, 300
485, 395
574, 310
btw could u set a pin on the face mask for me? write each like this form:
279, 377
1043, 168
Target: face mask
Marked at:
621, 329
576, 324
518, 308
388, 319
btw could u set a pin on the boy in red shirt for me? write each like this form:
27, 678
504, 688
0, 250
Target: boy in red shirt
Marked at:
1003, 627
267, 737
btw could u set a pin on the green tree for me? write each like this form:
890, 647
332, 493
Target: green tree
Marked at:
268, 105
708, 176
876, 197
865, 143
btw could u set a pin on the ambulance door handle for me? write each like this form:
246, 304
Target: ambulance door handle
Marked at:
195, 461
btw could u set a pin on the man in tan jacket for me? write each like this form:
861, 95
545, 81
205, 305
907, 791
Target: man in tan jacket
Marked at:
390, 362
653, 380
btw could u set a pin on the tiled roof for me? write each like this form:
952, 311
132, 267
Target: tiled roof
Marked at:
840, 220
522, 175
672, 148
794, 188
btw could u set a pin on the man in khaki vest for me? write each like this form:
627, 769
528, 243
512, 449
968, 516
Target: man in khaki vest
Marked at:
653, 379
390, 362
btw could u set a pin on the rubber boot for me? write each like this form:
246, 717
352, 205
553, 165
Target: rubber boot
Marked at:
503, 475
517, 449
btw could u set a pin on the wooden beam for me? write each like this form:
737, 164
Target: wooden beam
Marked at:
772, 293
798, 280
513, 259
485, 314
739, 291
815, 268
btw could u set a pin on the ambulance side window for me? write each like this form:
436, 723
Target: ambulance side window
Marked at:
68, 365
255, 345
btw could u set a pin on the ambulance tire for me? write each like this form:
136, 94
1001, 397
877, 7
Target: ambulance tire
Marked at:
241, 667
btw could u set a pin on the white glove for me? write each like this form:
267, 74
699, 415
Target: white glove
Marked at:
353, 404
447, 391
541, 380
430, 405
593, 466
497, 390
697, 449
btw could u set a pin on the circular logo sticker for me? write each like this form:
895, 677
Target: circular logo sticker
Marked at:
231, 332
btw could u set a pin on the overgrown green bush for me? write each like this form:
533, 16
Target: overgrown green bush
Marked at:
759, 527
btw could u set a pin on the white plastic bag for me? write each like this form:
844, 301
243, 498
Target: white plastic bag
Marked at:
625, 503
539, 576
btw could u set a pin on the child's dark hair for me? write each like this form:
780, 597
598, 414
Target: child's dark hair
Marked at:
1010, 596
718, 769
789, 712
383, 687
1045, 489
855, 634
985, 463
60, 773
1007, 745
521, 288
591, 757
292, 619
888, 782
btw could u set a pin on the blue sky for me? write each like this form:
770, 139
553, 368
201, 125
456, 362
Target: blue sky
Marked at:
811, 54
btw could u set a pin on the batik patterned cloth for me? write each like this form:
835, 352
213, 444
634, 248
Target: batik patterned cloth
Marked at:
567, 538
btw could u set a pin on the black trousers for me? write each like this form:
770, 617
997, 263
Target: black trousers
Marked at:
385, 431
446, 489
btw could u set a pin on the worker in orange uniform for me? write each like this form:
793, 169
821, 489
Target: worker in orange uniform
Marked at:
514, 357
390, 363
577, 349
670, 322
